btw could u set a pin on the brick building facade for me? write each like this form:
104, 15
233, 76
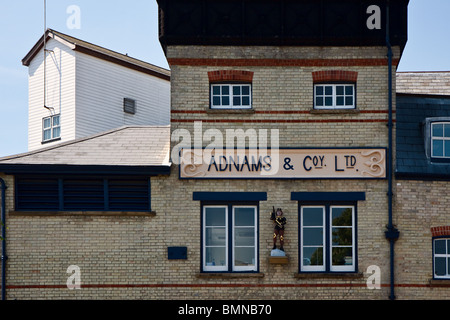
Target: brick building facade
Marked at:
203, 230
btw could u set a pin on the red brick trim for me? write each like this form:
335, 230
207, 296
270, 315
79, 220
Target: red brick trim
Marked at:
440, 231
230, 75
280, 120
280, 62
334, 75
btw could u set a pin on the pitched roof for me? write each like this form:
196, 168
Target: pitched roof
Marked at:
97, 51
128, 147
411, 154
424, 83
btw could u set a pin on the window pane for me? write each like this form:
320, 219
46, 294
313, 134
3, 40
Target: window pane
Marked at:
313, 256
225, 101
215, 256
236, 101
47, 134
440, 267
237, 90
319, 90
56, 121
438, 130
244, 236
328, 90
342, 256
438, 148
56, 132
341, 216
340, 101
349, 90
245, 101
448, 246
244, 256
246, 90
244, 216
342, 236
439, 246
312, 236
447, 148
312, 217
215, 236
340, 90
349, 101
216, 101
319, 102
216, 90
447, 130
225, 90
215, 216
328, 101
47, 123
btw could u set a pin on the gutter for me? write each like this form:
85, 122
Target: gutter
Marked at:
3, 220
392, 233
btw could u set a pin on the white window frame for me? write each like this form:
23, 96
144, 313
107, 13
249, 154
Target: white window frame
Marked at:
230, 260
230, 96
345, 268
443, 139
334, 96
204, 227
327, 232
445, 255
51, 128
309, 268
255, 237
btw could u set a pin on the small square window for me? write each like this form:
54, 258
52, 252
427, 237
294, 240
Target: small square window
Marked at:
334, 96
129, 106
441, 257
231, 96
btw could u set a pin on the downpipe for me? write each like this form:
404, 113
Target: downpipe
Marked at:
3, 225
392, 233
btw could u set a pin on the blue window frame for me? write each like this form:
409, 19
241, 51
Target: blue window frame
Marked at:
82, 193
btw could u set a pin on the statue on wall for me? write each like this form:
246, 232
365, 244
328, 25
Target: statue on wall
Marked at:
279, 222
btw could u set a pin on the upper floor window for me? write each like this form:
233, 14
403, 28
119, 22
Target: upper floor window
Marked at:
334, 96
51, 128
440, 140
230, 89
231, 96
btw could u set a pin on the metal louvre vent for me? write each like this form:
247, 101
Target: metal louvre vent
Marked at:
83, 194
129, 105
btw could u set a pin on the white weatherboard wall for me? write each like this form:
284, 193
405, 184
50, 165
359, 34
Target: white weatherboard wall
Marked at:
60, 79
101, 87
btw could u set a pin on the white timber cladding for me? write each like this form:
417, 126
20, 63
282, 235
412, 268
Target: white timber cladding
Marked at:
101, 88
60, 92
88, 93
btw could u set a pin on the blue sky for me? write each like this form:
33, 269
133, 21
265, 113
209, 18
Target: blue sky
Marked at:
132, 27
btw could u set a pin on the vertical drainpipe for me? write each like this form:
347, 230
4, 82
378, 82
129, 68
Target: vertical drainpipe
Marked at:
4, 257
391, 233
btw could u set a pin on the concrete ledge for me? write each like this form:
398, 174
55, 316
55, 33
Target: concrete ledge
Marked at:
228, 275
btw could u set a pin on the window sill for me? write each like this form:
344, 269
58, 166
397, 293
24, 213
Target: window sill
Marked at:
334, 111
230, 111
51, 140
440, 283
230, 275
82, 213
355, 275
